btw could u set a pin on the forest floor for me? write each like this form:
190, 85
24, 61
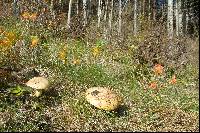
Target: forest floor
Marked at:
165, 102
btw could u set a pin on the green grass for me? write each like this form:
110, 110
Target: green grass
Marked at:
174, 107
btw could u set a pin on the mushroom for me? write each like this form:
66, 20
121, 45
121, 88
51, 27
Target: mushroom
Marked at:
103, 98
40, 84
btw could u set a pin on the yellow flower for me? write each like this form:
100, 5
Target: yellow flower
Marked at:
33, 16
1, 29
96, 51
5, 42
34, 41
63, 54
11, 36
29, 16
76, 61
25, 15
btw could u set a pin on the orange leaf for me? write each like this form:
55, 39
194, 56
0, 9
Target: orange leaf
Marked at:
173, 80
34, 41
5, 42
33, 16
158, 69
25, 15
153, 85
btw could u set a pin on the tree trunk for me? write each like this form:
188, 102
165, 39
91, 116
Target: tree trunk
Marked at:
90, 9
154, 10
69, 14
170, 19
105, 20
85, 12
135, 18
99, 13
180, 18
143, 7
77, 7
51, 9
120, 18
111, 17
177, 17
149, 10
178, 14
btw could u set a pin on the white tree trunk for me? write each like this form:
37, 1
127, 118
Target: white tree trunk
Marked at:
149, 9
90, 9
84, 12
99, 13
139, 14
143, 7
154, 10
69, 14
110, 17
170, 19
77, 8
179, 15
105, 11
185, 17
51, 9
186, 22
180, 19
120, 17
105, 19
135, 18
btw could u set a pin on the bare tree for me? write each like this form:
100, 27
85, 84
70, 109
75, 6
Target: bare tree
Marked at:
120, 18
135, 17
149, 10
77, 7
69, 14
84, 12
99, 13
111, 17
154, 10
178, 15
60, 2
105, 19
51, 9
143, 7
170, 19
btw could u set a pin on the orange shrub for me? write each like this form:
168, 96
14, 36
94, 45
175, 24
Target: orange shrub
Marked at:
158, 69
34, 41
173, 80
153, 85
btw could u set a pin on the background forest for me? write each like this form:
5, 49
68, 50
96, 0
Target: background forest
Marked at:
146, 50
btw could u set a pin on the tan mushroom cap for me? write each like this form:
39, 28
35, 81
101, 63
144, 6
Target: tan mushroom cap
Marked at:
103, 98
38, 83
